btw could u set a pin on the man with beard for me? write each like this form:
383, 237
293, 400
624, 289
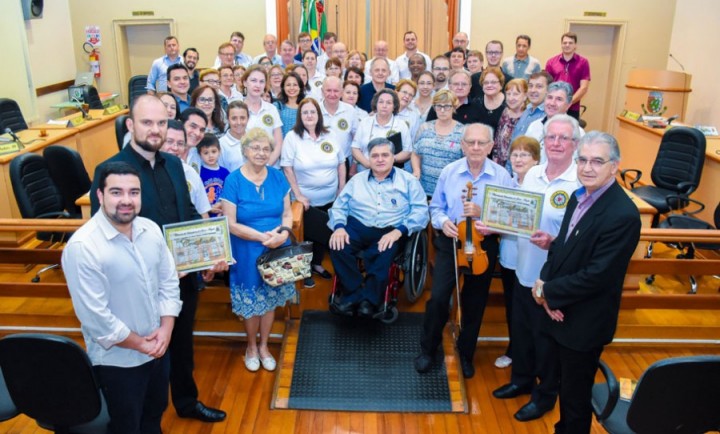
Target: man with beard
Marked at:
440, 69
166, 198
127, 312
190, 58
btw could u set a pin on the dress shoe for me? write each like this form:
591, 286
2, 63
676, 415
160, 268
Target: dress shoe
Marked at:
366, 309
268, 363
423, 363
530, 411
468, 369
511, 390
252, 363
503, 362
206, 414
323, 273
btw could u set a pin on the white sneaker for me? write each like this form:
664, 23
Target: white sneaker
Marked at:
503, 362
268, 363
252, 363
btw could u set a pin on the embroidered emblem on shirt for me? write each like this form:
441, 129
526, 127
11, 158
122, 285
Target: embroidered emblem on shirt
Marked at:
327, 147
559, 199
342, 124
268, 120
318, 83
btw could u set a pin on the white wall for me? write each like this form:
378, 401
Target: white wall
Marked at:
695, 35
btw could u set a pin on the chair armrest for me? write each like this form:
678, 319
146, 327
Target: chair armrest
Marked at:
635, 180
298, 227
686, 187
674, 199
613, 392
54, 214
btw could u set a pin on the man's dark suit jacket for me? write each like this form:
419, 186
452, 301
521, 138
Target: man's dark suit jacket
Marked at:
584, 276
149, 196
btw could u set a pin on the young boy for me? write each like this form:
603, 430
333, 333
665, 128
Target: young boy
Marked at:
212, 174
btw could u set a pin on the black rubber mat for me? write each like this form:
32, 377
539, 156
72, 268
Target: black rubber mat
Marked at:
351, 364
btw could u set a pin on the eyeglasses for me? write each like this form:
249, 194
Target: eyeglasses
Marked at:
232, 53
562, 139
595, 163
520, 155
258, 149
203, 100
442, 107
476, 143
462, 84
211, 81
493, 53
308, 113
491, 83
405, 92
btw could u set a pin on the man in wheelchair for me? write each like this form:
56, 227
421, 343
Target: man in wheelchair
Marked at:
375, 209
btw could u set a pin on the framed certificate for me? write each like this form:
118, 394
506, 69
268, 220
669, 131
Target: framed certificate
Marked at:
199, 244
512, 211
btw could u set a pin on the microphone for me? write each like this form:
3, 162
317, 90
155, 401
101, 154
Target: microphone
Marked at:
86, 115
676, 61
15, 137
672, 118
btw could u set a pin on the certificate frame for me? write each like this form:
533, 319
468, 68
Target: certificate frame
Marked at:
198, 244
511, 210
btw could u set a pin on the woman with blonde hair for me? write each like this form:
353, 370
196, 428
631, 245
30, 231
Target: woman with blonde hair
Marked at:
515, 101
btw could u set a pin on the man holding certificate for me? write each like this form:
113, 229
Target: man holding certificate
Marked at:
557, 180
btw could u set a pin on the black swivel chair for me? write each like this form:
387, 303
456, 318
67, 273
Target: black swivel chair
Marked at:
121, 129
37, 196
676, 171
11, 116
7, 406
68, 172
50, 379
93, 99
136, 87
677, 395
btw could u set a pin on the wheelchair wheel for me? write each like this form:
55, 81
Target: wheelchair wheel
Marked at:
415, 266
390, 315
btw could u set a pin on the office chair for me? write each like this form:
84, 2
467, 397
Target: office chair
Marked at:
92, 98
68, 172
11, 116
37, 196
136, 87
7, 406
50, 379
121, 130
677, 395
676, 171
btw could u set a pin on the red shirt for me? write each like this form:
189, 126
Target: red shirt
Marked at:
570, 71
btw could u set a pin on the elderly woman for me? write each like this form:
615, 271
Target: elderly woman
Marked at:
426, 88
262, 113
515, 96
524, 154
231, 156
256, 201
291, 94
210, 77
227, 89
207, 99
385, 104
416, 65
491, 105
438, 142
406, 90
315, 168
355, 74
351, 95
457, 58
356, 59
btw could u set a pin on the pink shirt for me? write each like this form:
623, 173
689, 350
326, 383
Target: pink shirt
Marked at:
570, 71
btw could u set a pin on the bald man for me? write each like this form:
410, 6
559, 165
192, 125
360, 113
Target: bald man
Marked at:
380, 51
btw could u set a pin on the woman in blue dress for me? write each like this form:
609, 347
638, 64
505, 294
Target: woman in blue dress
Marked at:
256, 201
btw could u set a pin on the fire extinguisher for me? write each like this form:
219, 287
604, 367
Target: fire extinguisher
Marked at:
93, 57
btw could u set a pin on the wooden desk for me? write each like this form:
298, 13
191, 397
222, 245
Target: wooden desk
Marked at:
35, 144
95, 138
639, 146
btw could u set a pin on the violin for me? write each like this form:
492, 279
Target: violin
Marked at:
471, 258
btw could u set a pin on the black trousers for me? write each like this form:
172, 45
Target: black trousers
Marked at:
577, 375
136, 397
317, 230
507, 275
182, 384
473, 297
532, 349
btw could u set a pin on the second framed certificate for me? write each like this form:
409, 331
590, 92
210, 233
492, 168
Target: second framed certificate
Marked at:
511, 210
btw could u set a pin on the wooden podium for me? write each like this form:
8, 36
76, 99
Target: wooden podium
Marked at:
670, 89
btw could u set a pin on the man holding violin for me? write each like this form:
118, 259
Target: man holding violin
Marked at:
449, 209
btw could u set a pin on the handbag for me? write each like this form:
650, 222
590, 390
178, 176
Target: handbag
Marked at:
286, 264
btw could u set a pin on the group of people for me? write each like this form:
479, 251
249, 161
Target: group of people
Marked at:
374, 150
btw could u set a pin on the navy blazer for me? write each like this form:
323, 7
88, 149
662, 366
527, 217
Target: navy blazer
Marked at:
584, 275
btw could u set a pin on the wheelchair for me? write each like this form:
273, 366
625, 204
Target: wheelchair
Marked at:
408, 268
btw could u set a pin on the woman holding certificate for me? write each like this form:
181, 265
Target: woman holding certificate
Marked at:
256, 201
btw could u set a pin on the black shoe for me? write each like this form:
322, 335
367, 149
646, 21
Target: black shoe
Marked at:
530, 411
423, 363
366, 309
511, 390
206, 414
308, 282
324, 274
467, 367
347, 308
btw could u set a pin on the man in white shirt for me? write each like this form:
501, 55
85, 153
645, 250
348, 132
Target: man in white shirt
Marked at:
410, 43
380, 51
339, 117
124, 289
329, 40
237, 39
157, 77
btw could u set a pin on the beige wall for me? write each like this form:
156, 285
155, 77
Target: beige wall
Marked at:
203, 25
695, 34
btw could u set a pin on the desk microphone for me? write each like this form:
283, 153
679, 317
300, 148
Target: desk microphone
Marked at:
86, 115
676, 61
672, 118
15, 137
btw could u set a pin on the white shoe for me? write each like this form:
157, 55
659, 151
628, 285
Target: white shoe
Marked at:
503, 362
252, 363
268, 363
